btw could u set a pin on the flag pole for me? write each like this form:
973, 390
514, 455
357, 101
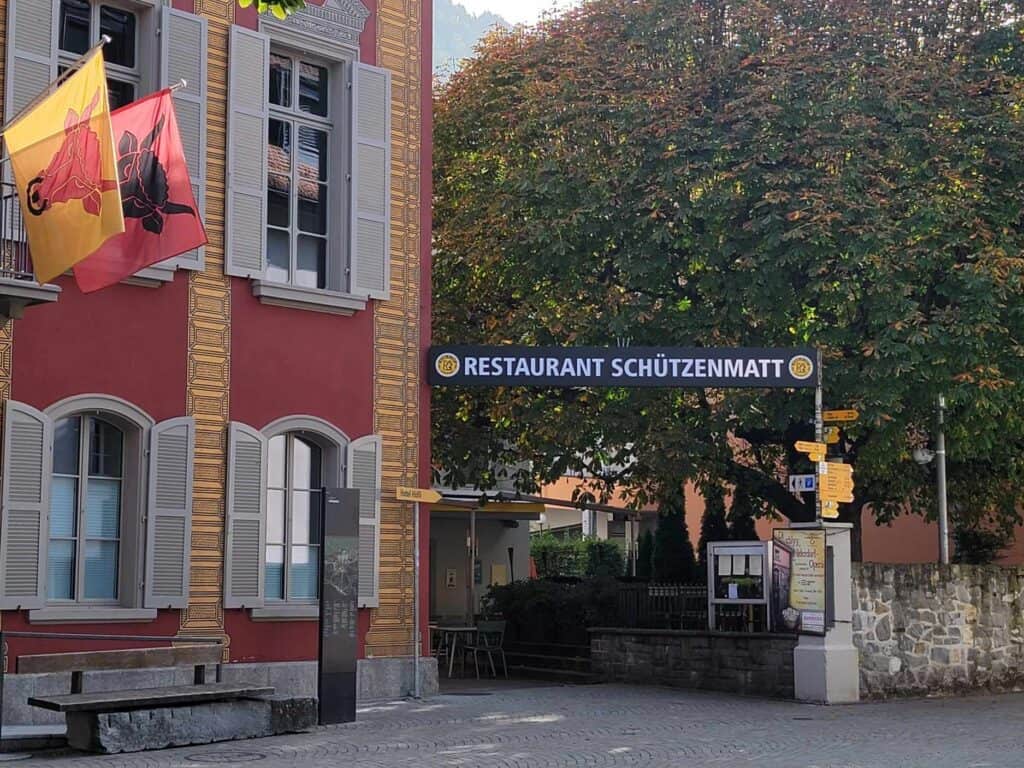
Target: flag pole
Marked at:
72, 68
182, 83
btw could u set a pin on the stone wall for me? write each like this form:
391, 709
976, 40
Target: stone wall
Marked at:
748, 663
926, 629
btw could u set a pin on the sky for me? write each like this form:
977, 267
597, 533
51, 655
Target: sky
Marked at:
516, 11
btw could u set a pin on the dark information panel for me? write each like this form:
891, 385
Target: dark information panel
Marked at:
624, 366
339, 593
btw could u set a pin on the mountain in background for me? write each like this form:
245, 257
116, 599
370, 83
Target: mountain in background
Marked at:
456, 31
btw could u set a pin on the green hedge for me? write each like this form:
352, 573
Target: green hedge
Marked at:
542, 611
575, 557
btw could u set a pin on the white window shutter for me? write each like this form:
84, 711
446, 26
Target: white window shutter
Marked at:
183, 56
169, 513
370, 262
248, 94
27, 465
31, 52
31, 67
364, 458
246, 517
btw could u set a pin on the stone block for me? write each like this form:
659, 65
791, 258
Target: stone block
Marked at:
290, 714
883, 629
162, 727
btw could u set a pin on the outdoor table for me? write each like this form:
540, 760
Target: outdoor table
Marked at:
451, 639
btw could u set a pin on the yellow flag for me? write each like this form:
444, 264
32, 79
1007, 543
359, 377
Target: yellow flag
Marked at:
65, 168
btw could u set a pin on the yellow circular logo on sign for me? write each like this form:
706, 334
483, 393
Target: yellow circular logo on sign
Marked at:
801, 367
447, 365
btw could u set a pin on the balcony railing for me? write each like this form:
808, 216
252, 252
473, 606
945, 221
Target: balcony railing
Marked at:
15, 261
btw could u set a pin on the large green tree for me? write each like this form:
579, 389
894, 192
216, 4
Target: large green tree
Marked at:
847, 174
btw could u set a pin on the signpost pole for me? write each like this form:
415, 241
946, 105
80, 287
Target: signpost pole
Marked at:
819, 427
416, 598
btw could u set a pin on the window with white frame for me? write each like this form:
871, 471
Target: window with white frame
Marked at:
98, 506
308, 210
299, 159
273, 506
295, 473
85, 510
81, 23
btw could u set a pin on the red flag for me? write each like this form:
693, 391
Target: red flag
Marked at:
161, 219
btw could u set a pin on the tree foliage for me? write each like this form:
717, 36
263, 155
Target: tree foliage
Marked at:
279, 8
847, 174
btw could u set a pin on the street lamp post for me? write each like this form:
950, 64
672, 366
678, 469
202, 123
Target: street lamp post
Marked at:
940, 456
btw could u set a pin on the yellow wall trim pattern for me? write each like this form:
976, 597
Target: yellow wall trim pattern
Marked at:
209, 351
396, 354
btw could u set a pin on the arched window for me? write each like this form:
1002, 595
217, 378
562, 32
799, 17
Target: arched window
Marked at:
274, 504
85, 509
98, 501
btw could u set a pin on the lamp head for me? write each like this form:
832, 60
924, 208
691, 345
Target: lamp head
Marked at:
923, 456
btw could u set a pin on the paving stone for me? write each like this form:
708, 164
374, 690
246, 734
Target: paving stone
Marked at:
620, 725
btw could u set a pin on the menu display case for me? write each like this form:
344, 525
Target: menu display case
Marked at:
739, 574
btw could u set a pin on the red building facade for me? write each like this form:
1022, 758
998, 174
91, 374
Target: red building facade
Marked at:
165, 439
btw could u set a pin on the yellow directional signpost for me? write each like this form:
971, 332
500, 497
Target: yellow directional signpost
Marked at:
814, 451
835, 482
425, 495
831, 435
830, 510
844, 415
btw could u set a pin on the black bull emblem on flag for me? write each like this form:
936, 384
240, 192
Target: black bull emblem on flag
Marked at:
144, 188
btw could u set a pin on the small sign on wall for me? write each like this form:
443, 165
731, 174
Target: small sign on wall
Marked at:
449, 578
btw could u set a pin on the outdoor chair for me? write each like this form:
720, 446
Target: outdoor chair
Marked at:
490, 640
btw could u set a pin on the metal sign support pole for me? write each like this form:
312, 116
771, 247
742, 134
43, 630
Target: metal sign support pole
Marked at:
819, 429
416, 598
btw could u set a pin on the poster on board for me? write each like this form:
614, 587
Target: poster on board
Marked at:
798, 581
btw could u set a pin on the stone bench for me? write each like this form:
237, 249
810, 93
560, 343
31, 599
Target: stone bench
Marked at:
174, 715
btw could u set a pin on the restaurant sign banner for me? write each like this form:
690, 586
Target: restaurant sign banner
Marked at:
623, 366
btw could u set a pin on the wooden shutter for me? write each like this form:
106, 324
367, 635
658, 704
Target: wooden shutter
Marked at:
27, 464
169, 513
371, 182
364, 475
183, 56
246, 517
248, 93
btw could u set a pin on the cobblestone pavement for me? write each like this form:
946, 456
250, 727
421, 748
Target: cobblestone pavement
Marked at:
613, 725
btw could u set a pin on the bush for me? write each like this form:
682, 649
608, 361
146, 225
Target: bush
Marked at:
713, 526
556, 557
978, 546
542, 611
602, 559
645, 556
742, 515
575, 557
673, 559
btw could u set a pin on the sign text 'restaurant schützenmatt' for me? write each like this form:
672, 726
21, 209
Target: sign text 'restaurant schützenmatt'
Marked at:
623, 366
